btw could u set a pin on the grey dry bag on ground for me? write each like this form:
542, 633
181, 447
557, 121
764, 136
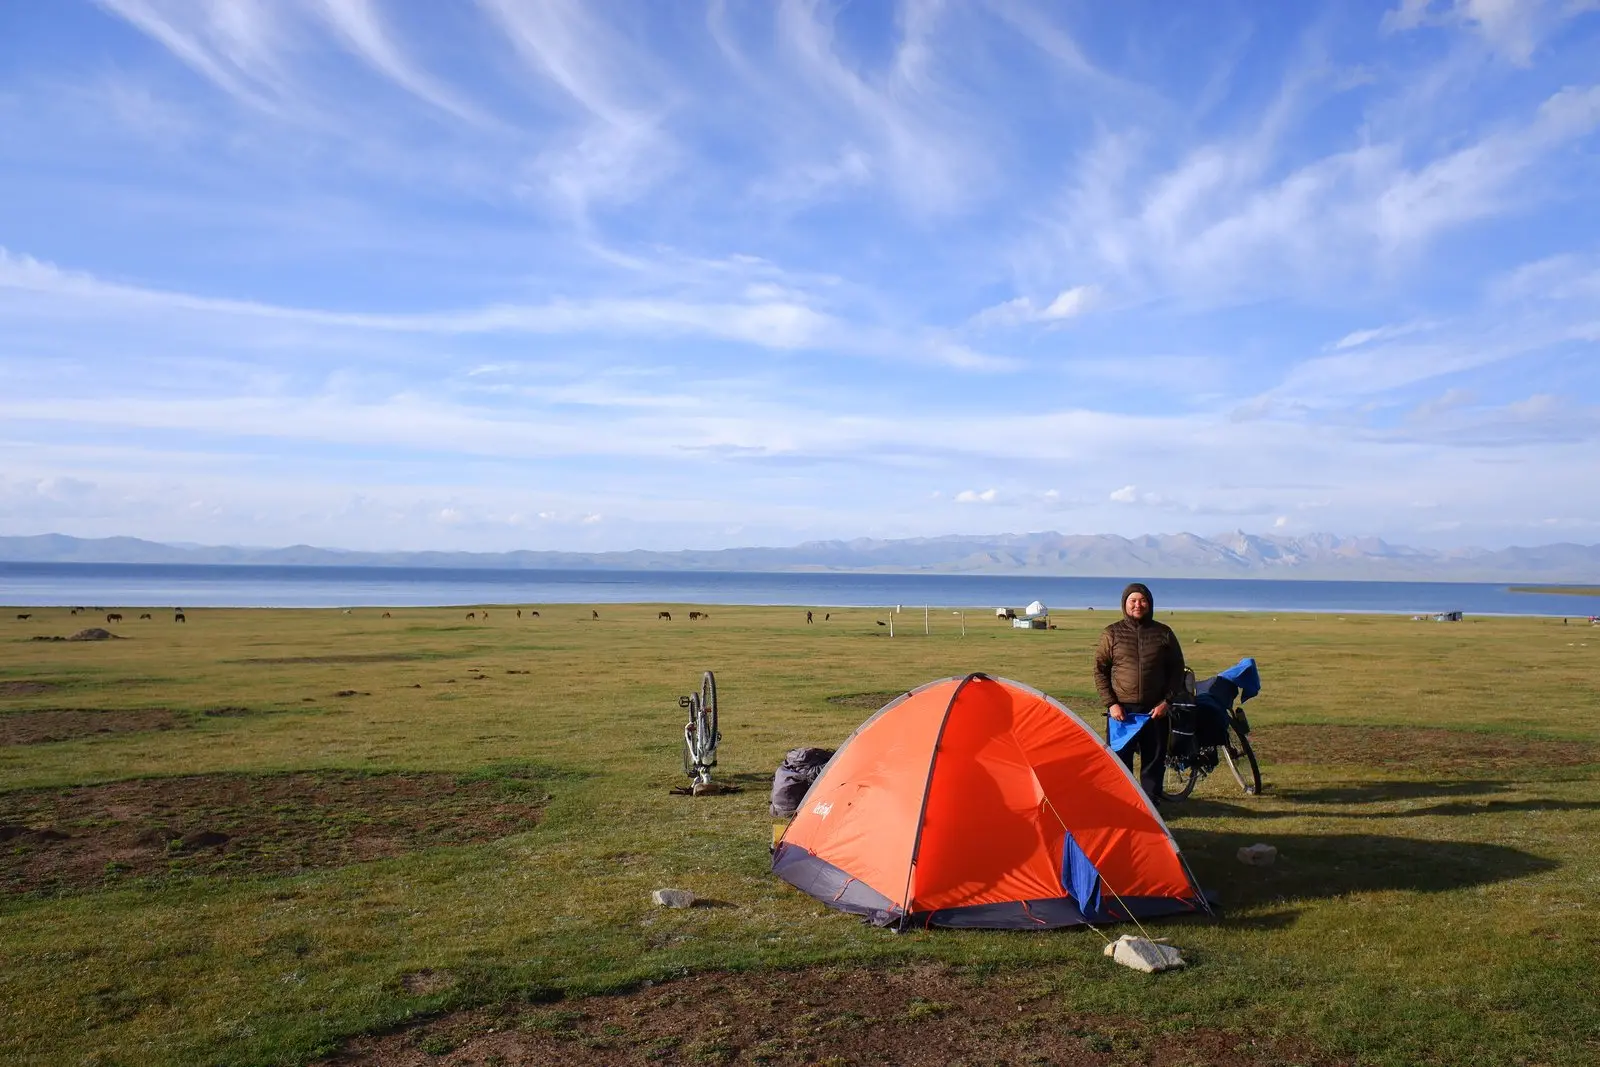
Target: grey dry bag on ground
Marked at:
794, 776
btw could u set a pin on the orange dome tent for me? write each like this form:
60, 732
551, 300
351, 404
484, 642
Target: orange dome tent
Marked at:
980, 802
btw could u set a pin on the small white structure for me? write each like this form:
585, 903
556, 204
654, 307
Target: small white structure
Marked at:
1033, 617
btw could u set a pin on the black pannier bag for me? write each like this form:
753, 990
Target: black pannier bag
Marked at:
793, 778
1213, 701
1183, 736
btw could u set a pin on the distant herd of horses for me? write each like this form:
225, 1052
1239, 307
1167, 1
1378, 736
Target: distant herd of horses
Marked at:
111, 616
477, 615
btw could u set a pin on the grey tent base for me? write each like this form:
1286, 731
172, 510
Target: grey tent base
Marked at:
835, 888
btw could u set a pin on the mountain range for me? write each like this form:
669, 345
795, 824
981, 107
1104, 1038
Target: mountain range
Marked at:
1184, 555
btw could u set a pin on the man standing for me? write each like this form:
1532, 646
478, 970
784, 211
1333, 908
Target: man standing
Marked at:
1138, 669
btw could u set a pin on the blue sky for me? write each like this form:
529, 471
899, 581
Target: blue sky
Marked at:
503, 275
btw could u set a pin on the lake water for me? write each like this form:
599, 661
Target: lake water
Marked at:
162, 585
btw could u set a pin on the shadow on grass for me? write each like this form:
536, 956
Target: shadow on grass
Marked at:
1485, 807
1378, 792
1266, 921
746, 779
1312, 866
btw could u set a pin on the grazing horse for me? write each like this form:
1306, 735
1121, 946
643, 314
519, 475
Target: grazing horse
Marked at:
24, 618
387, 615
880, 622
693, 615
664, 615
177, 616
533, 614
472, 614
113, 617
146, 615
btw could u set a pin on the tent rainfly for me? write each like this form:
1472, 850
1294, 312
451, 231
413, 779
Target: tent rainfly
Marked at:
981, 802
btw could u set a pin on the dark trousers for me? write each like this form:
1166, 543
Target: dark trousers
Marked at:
1152, 745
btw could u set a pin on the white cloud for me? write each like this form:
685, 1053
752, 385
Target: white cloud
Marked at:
1068, 304
235, 46
909, 123
781, 322
1230, 221
1381, 333
1448, 401
972, 496
1512, 28
362, 30
1128, 494
1567, 276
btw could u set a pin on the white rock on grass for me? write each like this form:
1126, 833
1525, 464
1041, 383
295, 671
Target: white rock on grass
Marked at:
673, 898
1258, 855
1142, 954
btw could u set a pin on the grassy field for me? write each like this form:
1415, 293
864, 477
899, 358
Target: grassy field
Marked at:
426, 813
1568, 590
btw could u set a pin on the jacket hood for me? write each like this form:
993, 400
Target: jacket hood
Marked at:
1137, 587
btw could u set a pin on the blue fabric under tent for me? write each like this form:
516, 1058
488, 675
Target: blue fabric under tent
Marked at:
1081, 879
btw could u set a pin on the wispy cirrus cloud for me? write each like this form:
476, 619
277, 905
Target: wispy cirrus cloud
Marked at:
1357, 338
920, 135
768, 317
616, 142
361, 27
1067, 304
1228, 222
1511, 28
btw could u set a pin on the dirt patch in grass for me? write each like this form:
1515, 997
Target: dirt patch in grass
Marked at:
353, 657
24, 688
923, 1015
237, 825
426, 982
65, 724
1422, 750
873, 701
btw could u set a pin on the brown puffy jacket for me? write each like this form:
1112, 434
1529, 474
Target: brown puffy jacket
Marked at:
1138, 663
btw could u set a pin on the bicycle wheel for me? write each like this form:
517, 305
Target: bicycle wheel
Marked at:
708, 707
1178, 782
1241, 760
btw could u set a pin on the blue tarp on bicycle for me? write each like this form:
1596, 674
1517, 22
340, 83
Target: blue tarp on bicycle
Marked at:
1214, 697
1200, 727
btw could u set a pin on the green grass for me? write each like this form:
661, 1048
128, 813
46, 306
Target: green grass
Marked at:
1572, 590
1420, 912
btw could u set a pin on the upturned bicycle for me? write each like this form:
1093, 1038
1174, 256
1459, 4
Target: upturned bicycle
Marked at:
700, 733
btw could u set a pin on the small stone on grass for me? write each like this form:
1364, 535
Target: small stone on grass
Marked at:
673, 898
